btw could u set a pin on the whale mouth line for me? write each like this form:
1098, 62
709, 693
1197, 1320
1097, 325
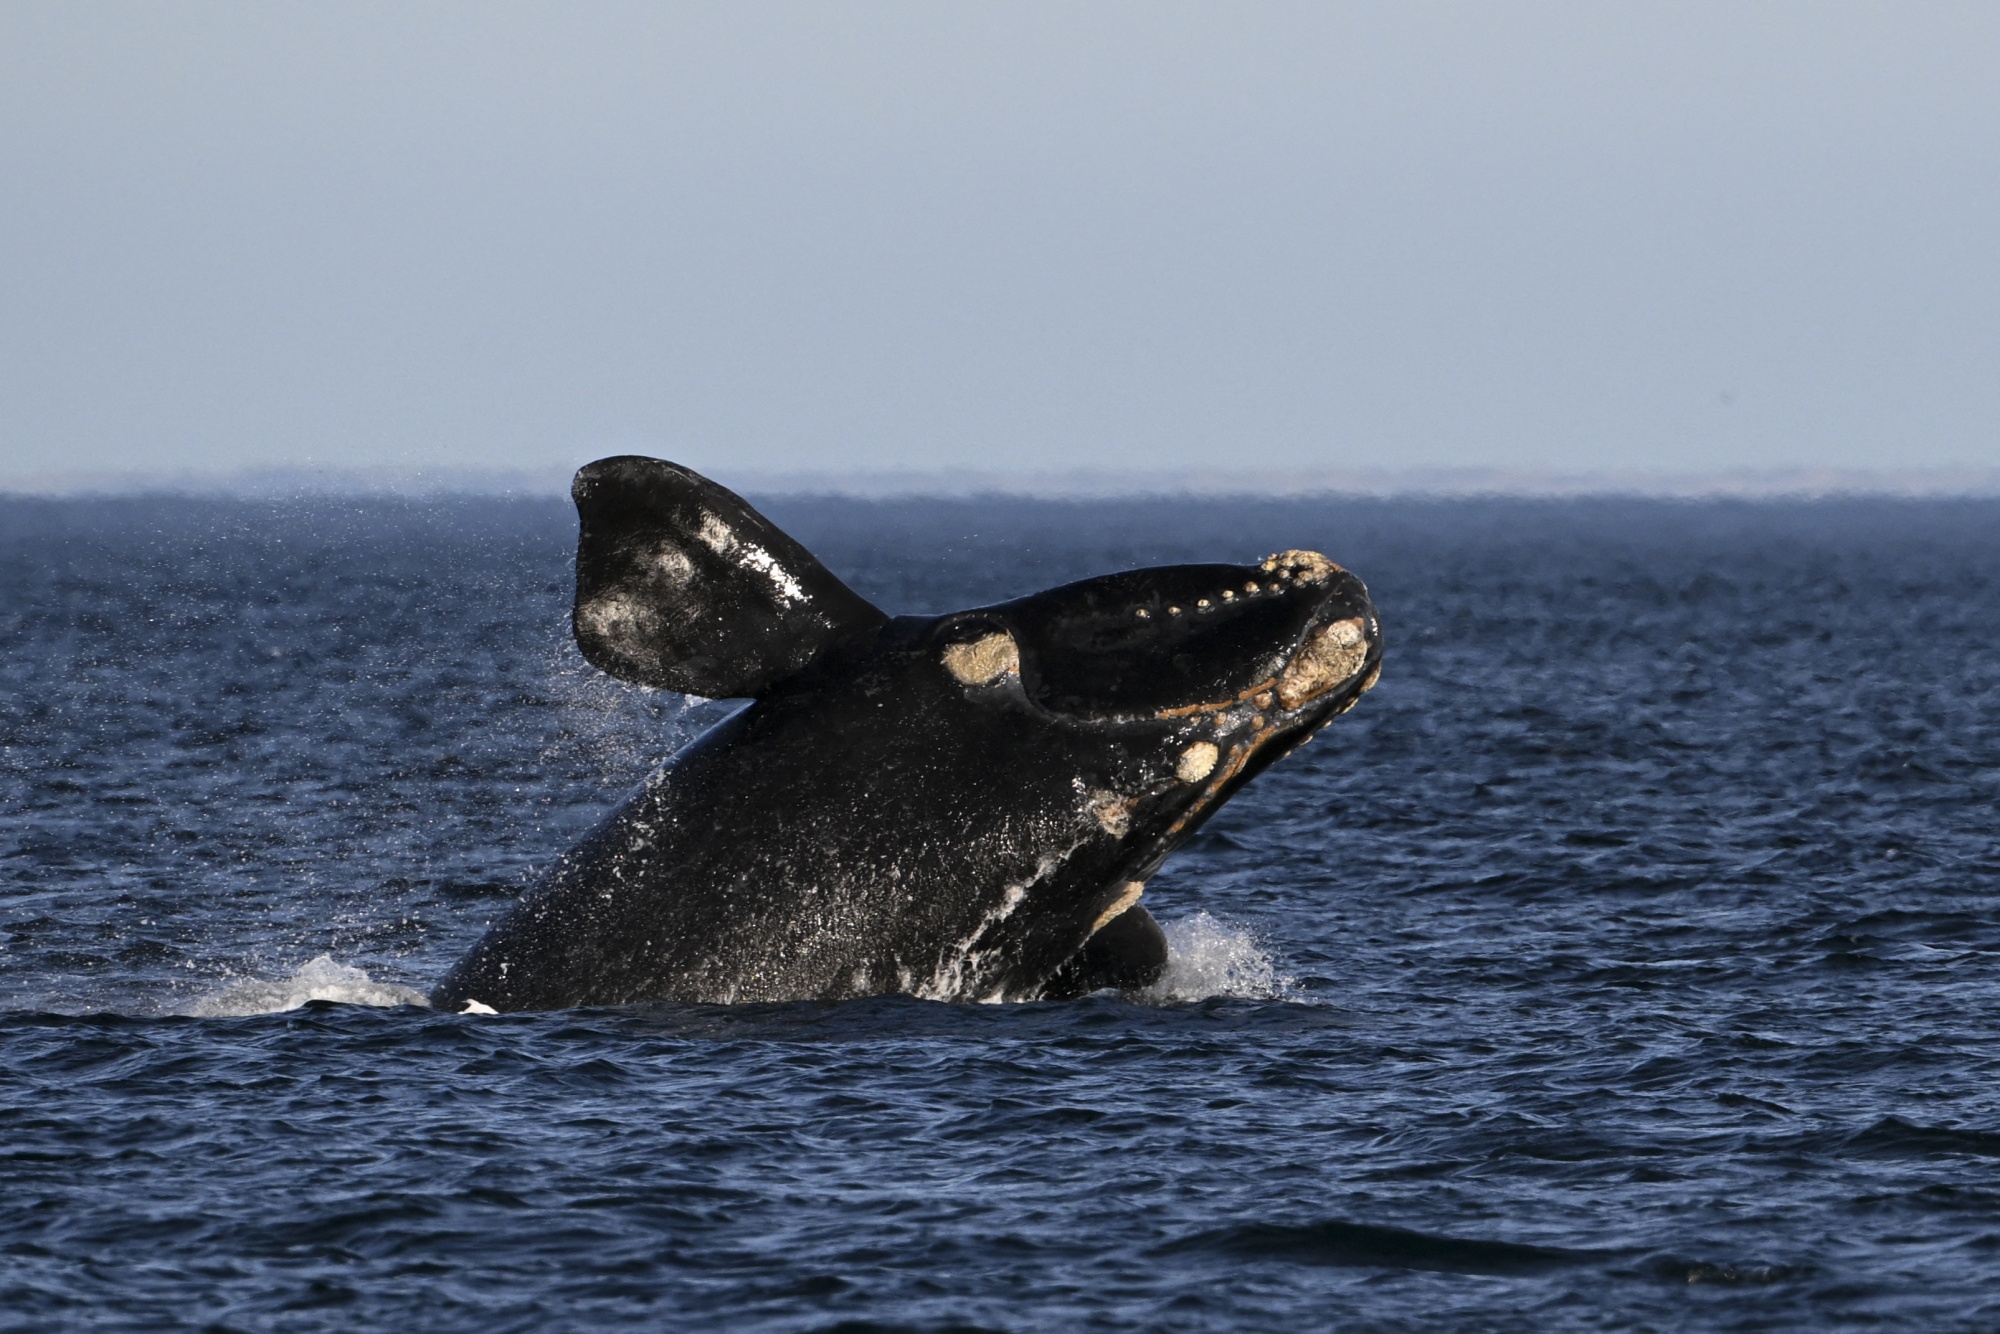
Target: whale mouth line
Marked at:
1266, 687
1328, 704
1330, 657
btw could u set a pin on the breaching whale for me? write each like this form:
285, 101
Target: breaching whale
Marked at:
962, 807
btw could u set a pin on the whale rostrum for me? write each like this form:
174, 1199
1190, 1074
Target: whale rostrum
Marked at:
963, 807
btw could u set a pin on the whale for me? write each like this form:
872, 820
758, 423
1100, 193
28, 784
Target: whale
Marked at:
962, 807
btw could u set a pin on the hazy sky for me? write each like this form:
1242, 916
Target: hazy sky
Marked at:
1014, 237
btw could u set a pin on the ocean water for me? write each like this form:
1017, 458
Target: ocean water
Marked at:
1630, 958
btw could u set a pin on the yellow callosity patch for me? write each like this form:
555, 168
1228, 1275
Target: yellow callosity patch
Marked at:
1307, 567
1329, 657
1197, 762
1126, 898
985, 659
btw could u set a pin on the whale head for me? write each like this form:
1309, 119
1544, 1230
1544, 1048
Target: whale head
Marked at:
1180, 640
1235, 664
1177, 684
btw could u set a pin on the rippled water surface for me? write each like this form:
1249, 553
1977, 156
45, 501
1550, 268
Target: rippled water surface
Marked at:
1628, 959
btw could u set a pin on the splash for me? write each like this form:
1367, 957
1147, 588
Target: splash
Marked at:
613, 730
316, 979
1206, 957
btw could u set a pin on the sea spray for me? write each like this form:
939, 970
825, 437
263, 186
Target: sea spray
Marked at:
1207, 957
319, 979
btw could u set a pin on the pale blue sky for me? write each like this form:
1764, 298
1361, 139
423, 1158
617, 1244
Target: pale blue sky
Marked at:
1673, 237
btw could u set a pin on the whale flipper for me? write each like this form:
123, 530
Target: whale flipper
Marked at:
681, 584
1128, 952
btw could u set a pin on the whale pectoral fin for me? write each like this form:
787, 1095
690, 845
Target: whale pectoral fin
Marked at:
679, 583
1127, 952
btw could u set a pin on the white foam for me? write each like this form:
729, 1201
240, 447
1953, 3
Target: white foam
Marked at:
1206, 957
316, 979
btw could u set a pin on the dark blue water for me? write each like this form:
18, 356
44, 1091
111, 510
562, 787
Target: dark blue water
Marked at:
1630, 958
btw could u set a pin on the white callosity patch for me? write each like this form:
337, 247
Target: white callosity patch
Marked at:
1112, 812
984, 660
319, 979
717, 537
1206, 958
1329, 658
1197, 762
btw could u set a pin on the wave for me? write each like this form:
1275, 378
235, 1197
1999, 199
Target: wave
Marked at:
1206, 959
1361, 1245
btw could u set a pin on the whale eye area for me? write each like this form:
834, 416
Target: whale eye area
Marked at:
1152, 640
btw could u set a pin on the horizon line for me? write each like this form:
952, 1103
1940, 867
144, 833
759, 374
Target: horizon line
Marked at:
436, 482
